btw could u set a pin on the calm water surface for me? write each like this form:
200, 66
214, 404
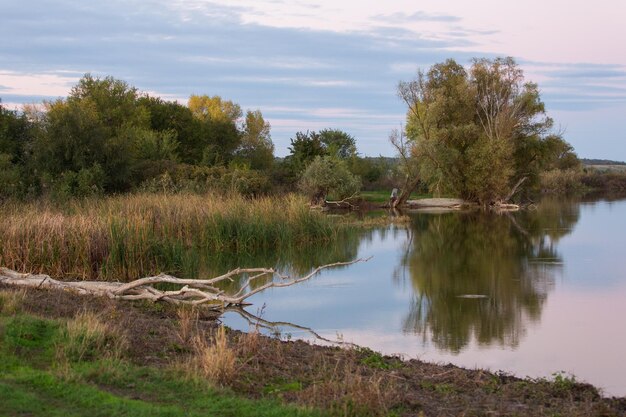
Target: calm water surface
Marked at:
531, 293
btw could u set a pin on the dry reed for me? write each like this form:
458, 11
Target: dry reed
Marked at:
215, 361
187, 323
126, 237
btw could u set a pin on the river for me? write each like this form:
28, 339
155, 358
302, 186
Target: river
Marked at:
532, 293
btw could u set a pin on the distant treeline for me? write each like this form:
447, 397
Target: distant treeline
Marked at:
587, 161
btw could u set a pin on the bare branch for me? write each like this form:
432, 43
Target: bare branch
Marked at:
191, 291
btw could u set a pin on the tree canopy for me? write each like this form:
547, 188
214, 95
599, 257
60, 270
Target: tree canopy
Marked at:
479, 133
107, 137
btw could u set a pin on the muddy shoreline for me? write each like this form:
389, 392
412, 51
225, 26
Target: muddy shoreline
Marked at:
330, 377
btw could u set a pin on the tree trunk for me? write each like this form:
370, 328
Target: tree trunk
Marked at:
409, 186
514, 190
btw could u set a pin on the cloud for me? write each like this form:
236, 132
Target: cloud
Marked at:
325, 74
45, 84
419, 16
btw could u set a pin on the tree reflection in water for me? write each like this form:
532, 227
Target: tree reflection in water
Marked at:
483, 276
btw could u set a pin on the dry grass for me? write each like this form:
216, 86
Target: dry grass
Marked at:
348, 390
87, 337
126, 237
215, 362
11, 301
249, 343
187, 323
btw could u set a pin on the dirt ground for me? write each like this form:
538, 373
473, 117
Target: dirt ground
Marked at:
341, 380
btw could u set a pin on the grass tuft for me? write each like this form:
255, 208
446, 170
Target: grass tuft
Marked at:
187, 323
86, 337
11, 301
215, 361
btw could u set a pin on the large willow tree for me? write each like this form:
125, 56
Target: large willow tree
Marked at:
480, 133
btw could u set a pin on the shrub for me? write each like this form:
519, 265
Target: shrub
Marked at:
327, 175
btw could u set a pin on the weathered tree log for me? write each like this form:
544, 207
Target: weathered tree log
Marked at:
192, 291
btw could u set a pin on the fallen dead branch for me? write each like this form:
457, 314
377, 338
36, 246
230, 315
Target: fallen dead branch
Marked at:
191, 291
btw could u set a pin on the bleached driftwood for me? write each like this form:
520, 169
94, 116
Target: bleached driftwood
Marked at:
191, 291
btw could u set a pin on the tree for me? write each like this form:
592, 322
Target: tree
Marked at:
256, 142
214, 109
338, 143
166, 116
220, 133
304, 148
328, 175
15, 134
478, 134
95, 128
408, 167
328, 142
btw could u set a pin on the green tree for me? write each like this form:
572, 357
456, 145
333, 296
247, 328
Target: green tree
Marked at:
10, 177
304, 148
256, 146
478, 134
16, 137
15, 134
167, 116
338, 143
220, 133
328, 175
95, 128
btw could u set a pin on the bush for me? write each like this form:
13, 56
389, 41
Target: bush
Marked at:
327, 175
85, 183
10, 177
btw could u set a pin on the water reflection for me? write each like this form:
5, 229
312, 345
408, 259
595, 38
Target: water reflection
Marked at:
482, 276
553, 277
294, 262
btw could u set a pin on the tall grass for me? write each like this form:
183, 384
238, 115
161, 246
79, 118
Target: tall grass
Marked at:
214, 361
125, 237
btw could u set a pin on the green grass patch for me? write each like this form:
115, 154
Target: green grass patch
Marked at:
279, 387
32, 383
378, 361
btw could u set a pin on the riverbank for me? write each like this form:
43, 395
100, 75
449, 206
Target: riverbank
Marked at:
156, 360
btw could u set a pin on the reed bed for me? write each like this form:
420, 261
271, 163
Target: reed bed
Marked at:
126, 237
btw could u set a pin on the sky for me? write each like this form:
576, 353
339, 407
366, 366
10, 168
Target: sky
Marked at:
315, 64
